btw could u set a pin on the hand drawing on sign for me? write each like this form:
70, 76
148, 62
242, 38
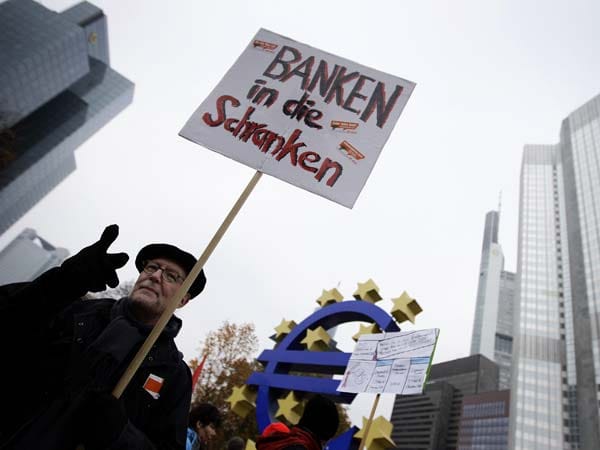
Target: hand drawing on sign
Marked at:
404, 345
365, 350
395, 362
380, 376
416, 378
357, 376
398, 375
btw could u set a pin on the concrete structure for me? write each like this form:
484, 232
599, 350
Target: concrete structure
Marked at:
556, 352
56, 90
28, 256
431, 421
493, 323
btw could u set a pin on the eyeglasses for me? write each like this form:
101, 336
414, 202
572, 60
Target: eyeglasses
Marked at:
168, 275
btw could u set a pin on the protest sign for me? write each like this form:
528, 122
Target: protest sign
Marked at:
305, 116
390, 362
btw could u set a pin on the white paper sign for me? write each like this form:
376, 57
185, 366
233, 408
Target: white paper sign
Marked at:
305, 116
390, 362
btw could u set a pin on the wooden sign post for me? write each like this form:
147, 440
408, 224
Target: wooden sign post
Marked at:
363, 441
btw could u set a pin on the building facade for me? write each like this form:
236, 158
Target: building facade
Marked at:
431, 421
56, 90
484, 421
493, 323
28, 256
556, 360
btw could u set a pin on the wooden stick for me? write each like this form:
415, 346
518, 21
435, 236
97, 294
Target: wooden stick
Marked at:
183, 289
363, 441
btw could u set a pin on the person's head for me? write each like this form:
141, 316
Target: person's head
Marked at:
204, 419
163, 267
320, 416
236, 443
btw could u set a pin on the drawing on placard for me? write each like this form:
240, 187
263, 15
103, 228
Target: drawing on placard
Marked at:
390, 362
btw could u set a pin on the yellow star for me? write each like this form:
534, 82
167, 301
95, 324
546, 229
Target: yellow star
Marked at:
371, 328
250, 445
317, 340
380, 434
329, 297
367, 291
289, 408
283, 329
242, 400
405, 308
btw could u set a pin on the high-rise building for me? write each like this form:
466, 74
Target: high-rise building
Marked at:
556, 359
493, 324
431, 421
28, 256
484, 421
56, 90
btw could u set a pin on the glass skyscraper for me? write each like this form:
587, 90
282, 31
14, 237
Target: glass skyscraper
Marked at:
556, 360
493, 324
27, 257
56, 90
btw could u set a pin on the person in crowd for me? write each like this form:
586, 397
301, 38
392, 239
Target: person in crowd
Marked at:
203, 422
318, 424
64, 354
236, 443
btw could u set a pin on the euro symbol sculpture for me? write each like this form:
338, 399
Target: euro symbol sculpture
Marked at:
291, 355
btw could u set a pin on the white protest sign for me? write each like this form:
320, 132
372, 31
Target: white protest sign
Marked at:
305, 116
390, 362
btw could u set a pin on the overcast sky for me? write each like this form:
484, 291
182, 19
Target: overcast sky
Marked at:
491, 76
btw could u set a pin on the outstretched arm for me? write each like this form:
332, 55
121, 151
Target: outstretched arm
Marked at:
92, 269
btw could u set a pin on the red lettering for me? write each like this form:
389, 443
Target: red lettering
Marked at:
329, 164
291, 148
220, 111
310, 157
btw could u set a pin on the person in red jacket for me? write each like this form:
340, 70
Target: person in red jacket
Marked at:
318, 424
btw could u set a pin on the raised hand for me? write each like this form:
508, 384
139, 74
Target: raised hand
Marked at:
93, 268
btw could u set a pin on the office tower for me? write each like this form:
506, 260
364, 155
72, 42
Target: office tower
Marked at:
56, 90
431, 421
493, 324
484, 421
27, 256
556, 361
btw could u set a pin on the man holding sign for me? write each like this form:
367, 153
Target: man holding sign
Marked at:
65, 354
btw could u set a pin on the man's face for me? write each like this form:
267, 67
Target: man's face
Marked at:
152, 291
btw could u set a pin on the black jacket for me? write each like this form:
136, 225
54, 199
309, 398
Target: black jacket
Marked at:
56, 350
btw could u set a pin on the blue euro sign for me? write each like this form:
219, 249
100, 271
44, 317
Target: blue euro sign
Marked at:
291, 355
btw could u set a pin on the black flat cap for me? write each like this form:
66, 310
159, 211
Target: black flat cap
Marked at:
175, 254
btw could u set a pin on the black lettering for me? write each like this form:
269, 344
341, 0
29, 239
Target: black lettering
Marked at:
337, 89
285, 64
302, 70
378, 101
355, 93
322, 76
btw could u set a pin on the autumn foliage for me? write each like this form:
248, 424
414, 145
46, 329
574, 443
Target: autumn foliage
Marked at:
231, 350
